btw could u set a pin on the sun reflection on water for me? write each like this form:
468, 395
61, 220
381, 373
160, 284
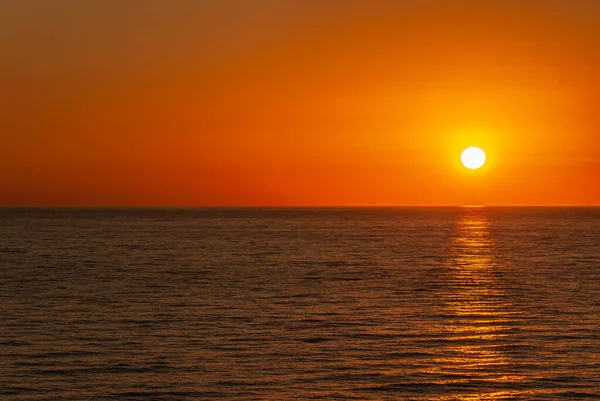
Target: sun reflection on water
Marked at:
479, 321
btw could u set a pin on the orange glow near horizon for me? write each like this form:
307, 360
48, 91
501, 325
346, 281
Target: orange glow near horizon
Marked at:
299, 103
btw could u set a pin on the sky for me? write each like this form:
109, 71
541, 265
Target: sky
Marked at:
298, 103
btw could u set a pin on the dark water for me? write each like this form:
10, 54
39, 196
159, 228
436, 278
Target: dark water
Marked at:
275, 304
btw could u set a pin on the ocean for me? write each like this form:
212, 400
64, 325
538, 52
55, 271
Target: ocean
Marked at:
299, 303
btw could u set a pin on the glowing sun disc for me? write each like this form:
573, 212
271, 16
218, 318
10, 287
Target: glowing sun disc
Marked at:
472, 158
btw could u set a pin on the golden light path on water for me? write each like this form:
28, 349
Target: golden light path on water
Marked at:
480, 319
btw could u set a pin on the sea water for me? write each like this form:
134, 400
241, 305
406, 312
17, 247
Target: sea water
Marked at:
300, 303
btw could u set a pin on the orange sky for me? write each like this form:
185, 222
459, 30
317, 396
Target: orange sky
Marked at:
266, 102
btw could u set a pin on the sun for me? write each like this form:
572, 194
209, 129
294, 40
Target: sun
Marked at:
473, 158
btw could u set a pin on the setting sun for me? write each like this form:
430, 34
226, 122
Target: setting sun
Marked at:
473, 158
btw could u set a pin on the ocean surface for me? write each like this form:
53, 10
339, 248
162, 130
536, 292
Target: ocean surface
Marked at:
304, 303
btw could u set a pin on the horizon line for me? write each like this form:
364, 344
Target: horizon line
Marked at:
283, 206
